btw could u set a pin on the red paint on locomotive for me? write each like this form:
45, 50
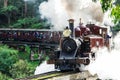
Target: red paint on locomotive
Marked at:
93, 32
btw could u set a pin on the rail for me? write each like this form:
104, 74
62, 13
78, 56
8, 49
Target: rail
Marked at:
48, 75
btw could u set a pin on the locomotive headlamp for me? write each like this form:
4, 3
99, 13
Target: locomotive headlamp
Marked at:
66, 32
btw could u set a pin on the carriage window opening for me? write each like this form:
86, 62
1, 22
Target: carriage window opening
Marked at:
100, 31
97, 43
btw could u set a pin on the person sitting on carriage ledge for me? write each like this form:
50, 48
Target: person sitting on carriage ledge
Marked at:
66, 32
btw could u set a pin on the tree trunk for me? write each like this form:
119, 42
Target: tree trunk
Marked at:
5, 3
9, 21
25, 14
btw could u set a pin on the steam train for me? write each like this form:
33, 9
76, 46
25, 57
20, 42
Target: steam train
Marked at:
78, 46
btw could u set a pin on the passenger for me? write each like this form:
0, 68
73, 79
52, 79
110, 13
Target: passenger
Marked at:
15, 35
41, 35
35, 34
18, 33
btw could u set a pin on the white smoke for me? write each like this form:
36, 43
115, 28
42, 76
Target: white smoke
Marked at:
59, 11
54, 12
107, 20
44, 67
107, 63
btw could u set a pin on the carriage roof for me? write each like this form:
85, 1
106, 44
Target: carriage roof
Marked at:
15, 29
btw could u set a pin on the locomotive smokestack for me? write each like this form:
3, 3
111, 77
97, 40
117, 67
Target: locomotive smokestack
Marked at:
71, 26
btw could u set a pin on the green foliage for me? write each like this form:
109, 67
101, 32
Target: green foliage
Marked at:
9, 12
21, 14
8, 9
29, 23
25, 55
24, 59
36, 55
25, 22
106, 4
37, 25
8, 57
117, 2
27, 49
21, 69
17, 3
4, 77
117, 27
11, 66
116, 13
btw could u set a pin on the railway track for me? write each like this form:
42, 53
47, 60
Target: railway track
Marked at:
46, 76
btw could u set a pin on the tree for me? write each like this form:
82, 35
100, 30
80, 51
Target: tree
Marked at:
106, 4
30, 23
1, 3
5, 3
4, 77
25, 8
115, 11
21, 69
15, 12
8, 57
8, 11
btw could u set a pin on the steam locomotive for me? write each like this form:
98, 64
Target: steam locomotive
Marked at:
78, 46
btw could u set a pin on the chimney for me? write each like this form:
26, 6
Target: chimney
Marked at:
71, 26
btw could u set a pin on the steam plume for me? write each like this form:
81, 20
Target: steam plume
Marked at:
107, 63
44, 67
59, 11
